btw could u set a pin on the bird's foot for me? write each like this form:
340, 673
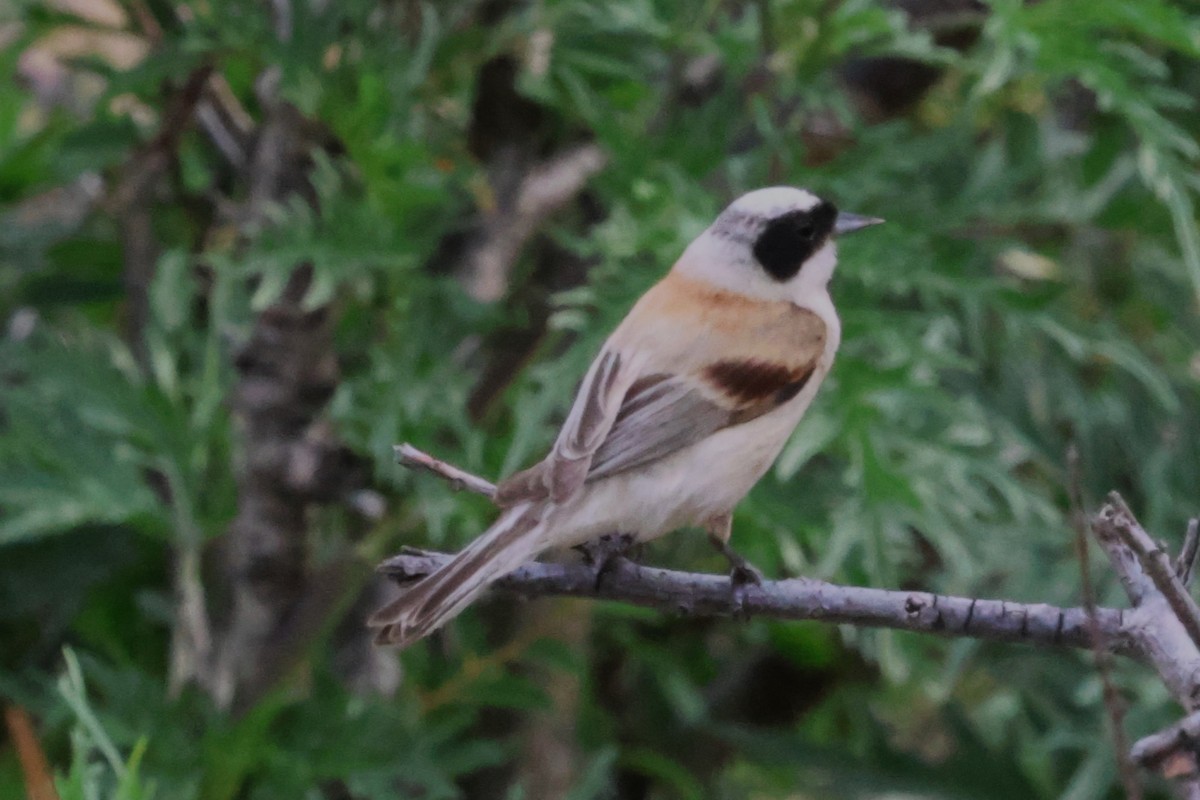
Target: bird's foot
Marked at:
604, 553
745, 574
741, 574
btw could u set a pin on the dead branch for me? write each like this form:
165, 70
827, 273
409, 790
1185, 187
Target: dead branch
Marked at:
1163, 627
460, 479
1165, 624
1155, 622
1185, 565
1162, 750
801, 598
1156, 563
699, 594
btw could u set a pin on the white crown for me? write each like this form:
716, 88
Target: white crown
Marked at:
764, 203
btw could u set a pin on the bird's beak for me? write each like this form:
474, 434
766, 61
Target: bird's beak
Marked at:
849, 223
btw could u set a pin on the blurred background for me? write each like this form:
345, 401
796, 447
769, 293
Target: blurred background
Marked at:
246, 247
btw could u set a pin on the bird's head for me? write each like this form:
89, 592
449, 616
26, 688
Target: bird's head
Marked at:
774, 243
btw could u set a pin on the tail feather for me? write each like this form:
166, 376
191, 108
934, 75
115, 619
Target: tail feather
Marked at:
440, 596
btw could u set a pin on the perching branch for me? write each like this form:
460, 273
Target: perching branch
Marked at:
799, 598
1163, 627
698, 594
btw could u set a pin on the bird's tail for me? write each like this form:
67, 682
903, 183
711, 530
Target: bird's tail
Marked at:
438, 597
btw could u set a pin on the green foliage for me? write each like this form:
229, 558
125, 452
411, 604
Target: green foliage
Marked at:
1037, 284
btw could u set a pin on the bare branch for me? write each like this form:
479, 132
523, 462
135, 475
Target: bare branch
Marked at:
1161, 634
1157, 565
1185, 565
460, 479
801, 598
1165, 624
1156, 629
698, 594
1173, 750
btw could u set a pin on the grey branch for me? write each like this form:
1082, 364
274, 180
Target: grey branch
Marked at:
1185, 565
1157, 565
799, 598
1155, 749
698, 594
1163, 627
1161, 621
413, 458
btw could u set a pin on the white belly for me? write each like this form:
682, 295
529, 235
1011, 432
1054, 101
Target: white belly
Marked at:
687, 488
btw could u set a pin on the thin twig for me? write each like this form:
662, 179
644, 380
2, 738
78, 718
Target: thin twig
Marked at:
1185, 565
1113, 702
460, 479
1158, 566
1161, 635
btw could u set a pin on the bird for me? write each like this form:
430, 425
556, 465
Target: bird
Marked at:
688, 403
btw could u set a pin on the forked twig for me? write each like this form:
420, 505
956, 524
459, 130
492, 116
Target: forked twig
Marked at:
1157, 564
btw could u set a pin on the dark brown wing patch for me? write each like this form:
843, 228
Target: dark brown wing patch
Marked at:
753, 382
792, 389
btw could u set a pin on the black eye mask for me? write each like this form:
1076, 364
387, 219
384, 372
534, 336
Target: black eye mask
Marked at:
789, 240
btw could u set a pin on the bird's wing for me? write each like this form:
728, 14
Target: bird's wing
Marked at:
670, 376
665, 413
596, 406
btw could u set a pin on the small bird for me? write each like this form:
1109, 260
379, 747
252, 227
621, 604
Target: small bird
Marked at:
687, 405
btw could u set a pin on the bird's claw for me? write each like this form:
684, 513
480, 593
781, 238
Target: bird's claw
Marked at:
605, 553
746, 573
742, 575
